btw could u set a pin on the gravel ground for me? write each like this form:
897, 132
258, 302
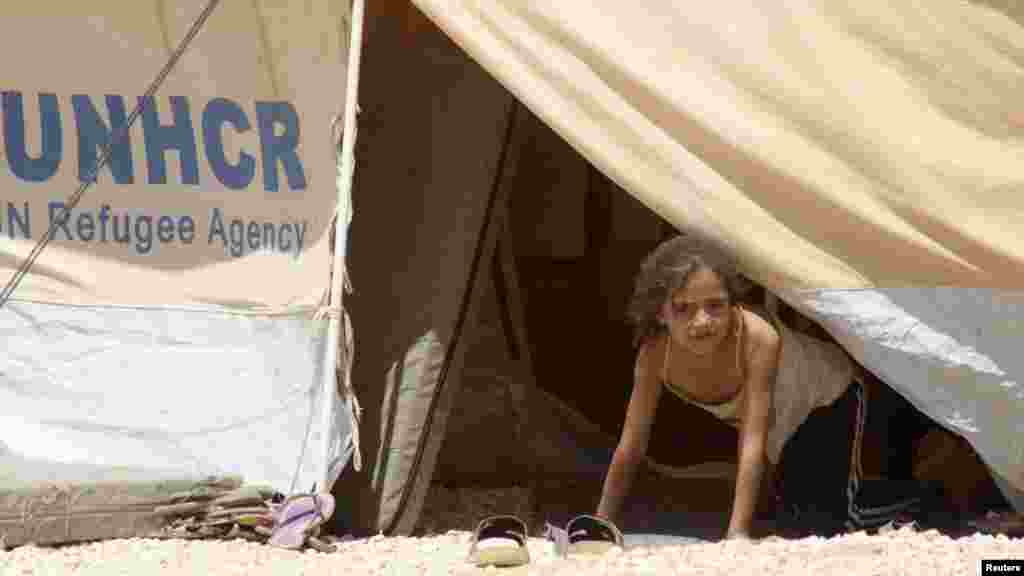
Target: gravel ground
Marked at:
897, 552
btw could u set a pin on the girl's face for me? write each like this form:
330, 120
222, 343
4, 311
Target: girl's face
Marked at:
697, 315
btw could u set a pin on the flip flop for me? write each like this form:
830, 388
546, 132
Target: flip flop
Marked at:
585, 535
558, 536
298, 517
499, 541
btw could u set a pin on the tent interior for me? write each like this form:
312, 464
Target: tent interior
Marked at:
476, 222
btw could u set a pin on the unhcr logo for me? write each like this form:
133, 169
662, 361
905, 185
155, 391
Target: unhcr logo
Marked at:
100, 124
276, 124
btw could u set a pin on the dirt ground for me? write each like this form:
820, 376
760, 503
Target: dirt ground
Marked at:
897, 552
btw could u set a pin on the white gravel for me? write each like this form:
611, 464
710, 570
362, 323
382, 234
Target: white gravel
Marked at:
898, 552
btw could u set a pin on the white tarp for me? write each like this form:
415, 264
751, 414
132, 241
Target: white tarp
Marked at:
169, 325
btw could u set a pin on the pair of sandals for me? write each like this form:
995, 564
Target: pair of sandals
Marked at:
501, 540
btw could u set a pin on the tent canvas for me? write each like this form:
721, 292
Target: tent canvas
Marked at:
173, 328
723, 122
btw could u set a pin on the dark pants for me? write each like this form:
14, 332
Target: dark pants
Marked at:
898, 426
821, 483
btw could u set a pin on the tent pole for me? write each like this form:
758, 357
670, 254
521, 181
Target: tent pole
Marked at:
343, 218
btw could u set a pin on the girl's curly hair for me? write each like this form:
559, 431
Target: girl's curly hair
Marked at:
667, 269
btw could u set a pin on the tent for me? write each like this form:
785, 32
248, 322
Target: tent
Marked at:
862, 162
171, 315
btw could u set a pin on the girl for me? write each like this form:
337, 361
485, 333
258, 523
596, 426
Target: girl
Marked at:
754, 373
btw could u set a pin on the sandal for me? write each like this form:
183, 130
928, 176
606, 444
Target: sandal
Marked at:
585, 535
499, 541
299, 517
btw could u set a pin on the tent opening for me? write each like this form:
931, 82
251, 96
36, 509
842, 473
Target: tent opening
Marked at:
492, 267
545, 387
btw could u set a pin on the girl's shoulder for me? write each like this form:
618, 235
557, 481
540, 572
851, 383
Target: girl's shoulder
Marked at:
760, 332
650, 356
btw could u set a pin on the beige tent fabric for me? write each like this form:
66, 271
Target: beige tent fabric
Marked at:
191, 346
828, 144
247, 53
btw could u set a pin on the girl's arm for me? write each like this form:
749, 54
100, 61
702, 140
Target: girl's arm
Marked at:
635, 436
763, 363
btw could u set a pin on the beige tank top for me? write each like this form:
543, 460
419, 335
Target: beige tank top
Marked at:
811, 373
727, 411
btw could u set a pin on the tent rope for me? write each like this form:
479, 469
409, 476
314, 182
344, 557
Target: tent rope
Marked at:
341, 283
104, 158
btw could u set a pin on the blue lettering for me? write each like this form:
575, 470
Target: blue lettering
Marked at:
269, 236
165, 229
177, 136
103, 135
104, 218
143, 234
253, 235
237, 236
281, 147
86, 227
94, 136
186, 229
300, 233
284, 243
60, 217
217, 227
218, 112
18, 220
126, 236
44, 166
